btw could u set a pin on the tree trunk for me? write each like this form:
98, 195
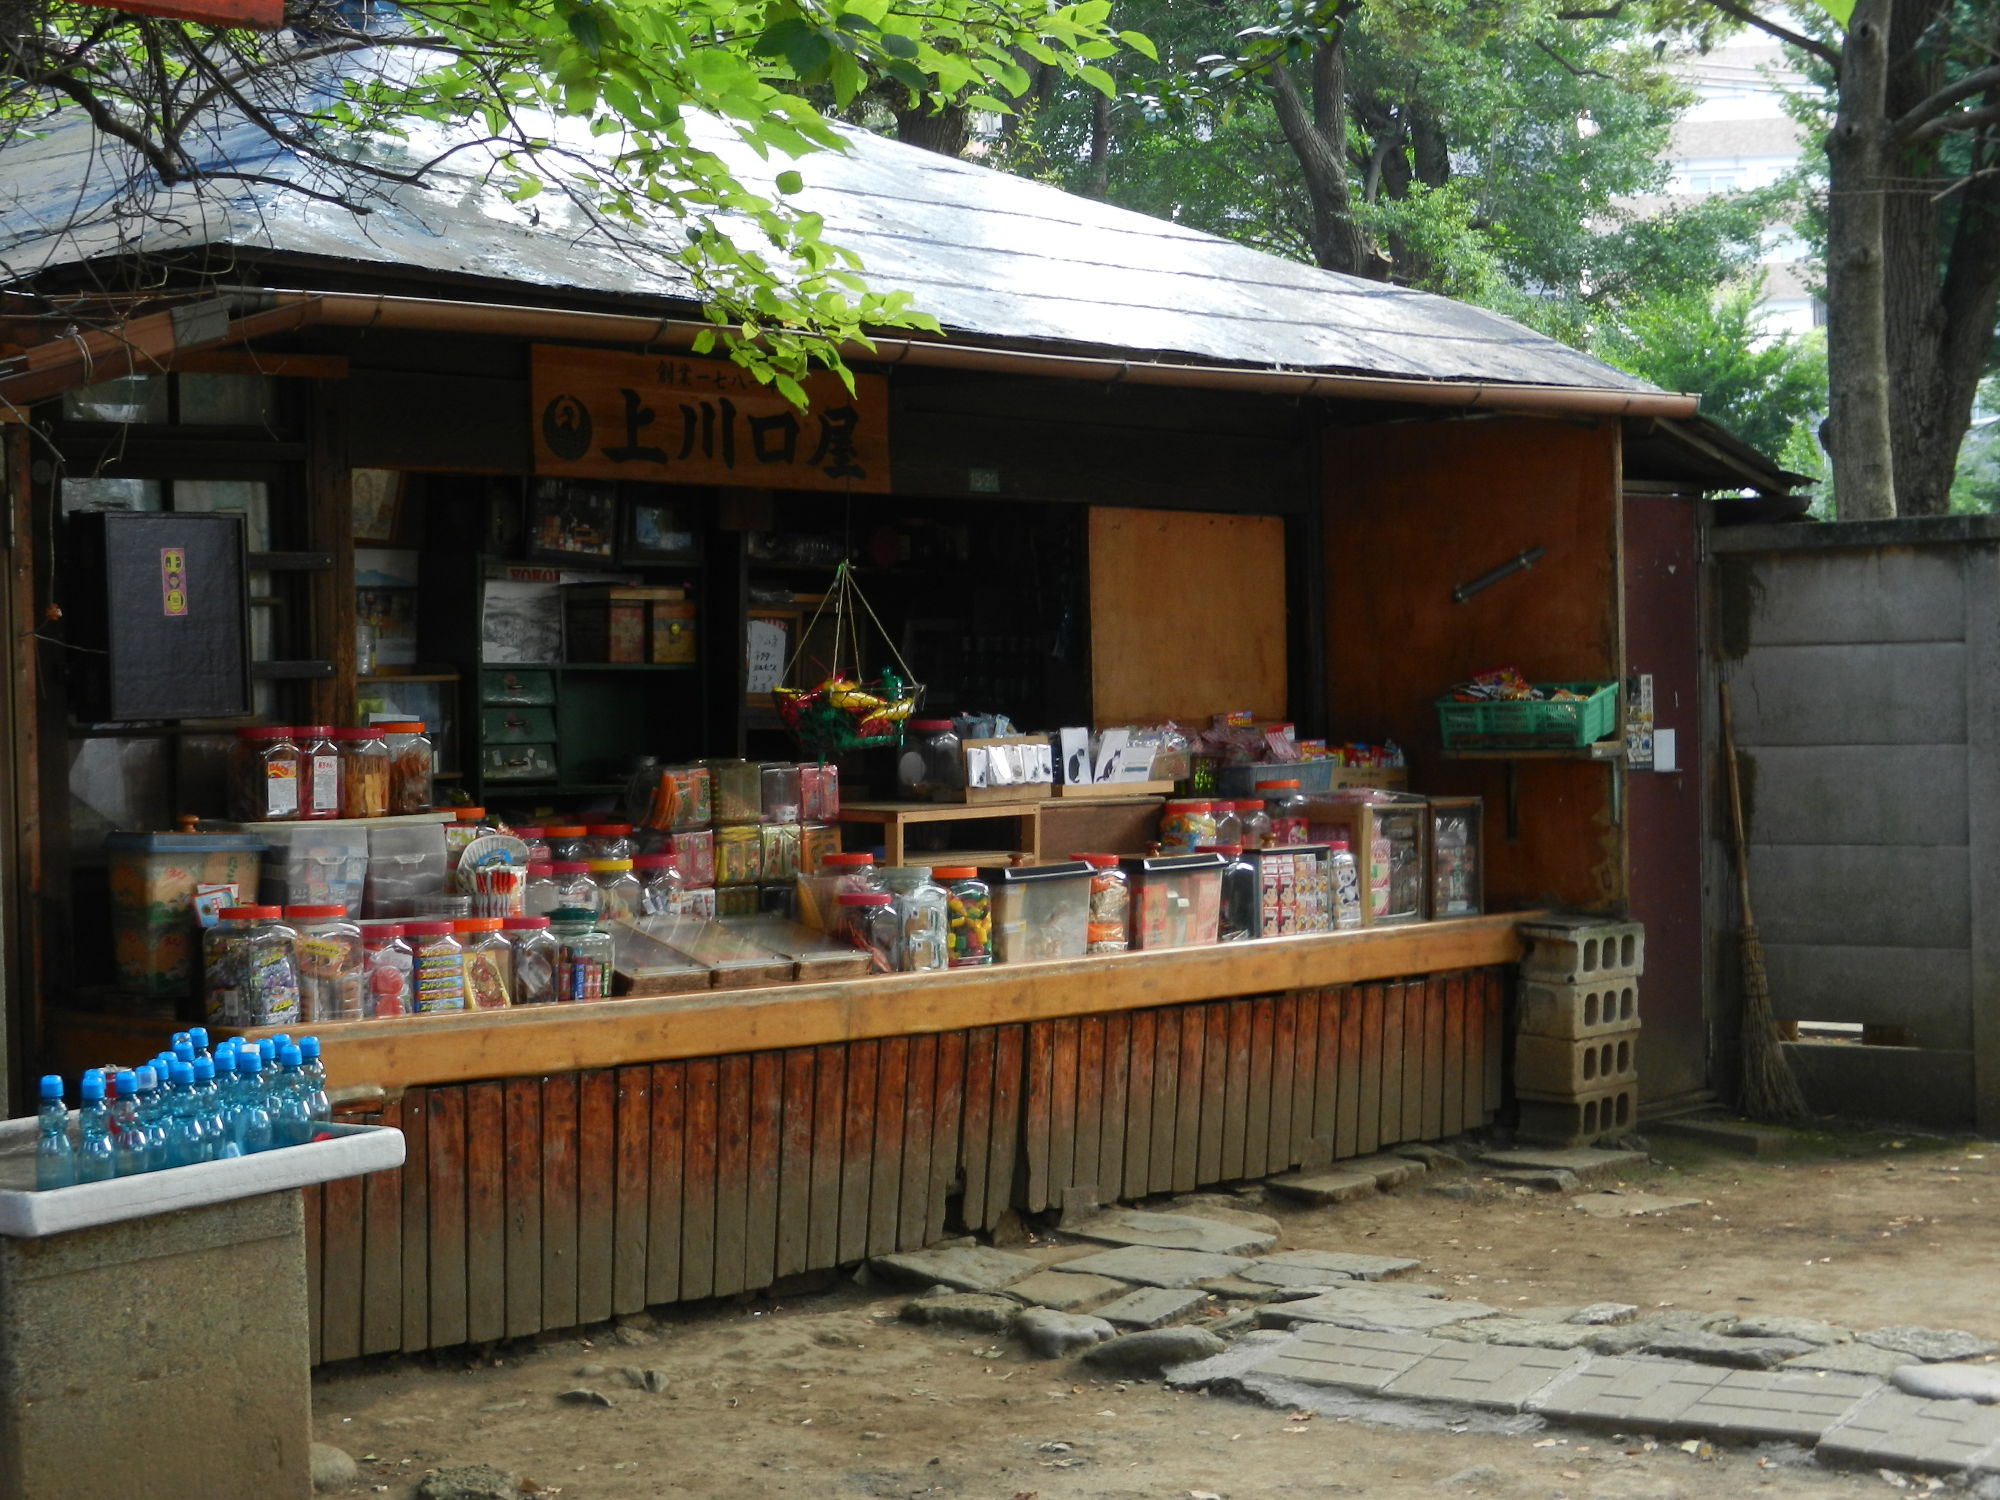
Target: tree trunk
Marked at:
1318, 138
1857, 149
1913, 310
1100, 145
944, 131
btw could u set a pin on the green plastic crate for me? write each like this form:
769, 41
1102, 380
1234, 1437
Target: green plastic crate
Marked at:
1534, 725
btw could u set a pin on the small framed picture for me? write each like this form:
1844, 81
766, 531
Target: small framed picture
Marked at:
658, 531
572, 519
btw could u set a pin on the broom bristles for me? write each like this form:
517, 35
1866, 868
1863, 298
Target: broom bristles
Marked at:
1770, 1092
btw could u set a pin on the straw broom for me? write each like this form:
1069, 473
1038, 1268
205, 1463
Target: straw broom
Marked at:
1769, 1090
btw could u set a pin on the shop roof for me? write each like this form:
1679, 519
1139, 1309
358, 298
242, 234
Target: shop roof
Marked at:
992, 256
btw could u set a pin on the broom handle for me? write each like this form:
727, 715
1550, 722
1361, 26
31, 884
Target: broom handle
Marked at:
1736, 809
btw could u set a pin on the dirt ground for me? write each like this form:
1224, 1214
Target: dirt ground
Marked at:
830, 1396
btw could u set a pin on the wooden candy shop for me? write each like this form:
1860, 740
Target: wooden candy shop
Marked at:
1159, 529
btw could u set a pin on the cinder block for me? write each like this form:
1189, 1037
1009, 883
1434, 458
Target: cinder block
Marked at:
1576, 1011
1581, 1120
1581, 950
1547, 1067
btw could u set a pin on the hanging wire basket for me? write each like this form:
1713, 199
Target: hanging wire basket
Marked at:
843, 712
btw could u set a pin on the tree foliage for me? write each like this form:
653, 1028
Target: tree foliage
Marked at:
600, 102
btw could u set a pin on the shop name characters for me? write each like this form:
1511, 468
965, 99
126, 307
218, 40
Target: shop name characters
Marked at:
606, 415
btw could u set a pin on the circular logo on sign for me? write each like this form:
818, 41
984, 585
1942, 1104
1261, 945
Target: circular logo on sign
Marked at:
566, 428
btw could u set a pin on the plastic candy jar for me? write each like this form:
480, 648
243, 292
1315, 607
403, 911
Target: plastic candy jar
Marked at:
659, 885
1186, 824
1110, 904
489, 963
969, 915
868, 922
534, 959
364, 773
439, 966
609, 841
264, 776
575, 887
388, 970
1287, 810
412, 766
924, 942
319, 772
583, 956
1253, 823
931, 765
618, 891
332, 975
250, 963
568, 842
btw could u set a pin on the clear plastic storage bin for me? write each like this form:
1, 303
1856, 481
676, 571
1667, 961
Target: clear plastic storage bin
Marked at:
1040, 911
154, 877
1176, 899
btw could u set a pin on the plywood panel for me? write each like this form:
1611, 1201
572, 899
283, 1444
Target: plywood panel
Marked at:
630, 1215
485, 1213
767, 1108
1004, 1157
1063, 1108
1214, 1092
795, 1163
1038, 1113
1236, 1091
1187, 1121
382, 1256
596, 1192
829, 1127
1414, 510
522, 1190
663, 1198
447, 1194
698, 1180
1137, 560
732, 1172
559, 1200
1284, 1065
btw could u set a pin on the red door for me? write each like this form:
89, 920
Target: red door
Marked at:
1663, 808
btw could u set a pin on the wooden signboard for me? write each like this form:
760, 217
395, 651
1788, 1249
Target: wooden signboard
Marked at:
673, 418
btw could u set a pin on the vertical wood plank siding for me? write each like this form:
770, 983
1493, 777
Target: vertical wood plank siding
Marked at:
533, 1203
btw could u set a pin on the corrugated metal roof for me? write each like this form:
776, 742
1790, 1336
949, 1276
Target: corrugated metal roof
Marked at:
988, 254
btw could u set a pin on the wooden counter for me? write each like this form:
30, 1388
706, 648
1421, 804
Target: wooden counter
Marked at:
464, 1046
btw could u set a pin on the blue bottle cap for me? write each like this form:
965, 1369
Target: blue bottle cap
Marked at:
249, 1060
148, 1079
184, 1050
199, 1036
282, 1038
225, 1062
181, 1073
267, 1048
93, 1086
126, 1084
308, 1046
288, 1055
177, 1038
204, 1069
51, 1086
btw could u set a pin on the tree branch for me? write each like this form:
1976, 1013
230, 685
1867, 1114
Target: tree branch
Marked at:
1952, 93
1947, 124
1828, 55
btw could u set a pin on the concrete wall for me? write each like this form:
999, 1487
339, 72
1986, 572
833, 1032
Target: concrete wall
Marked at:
1864, 662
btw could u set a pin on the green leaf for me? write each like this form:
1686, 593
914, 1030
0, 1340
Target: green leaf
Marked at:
1140, 43
897, 45
790, 182
1840, 10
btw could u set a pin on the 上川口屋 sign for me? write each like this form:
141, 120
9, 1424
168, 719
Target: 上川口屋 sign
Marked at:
676, 419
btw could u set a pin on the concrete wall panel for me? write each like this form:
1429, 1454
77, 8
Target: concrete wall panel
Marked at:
1851, 695
1856, 794
1835, 598
1861, 896
1928, 990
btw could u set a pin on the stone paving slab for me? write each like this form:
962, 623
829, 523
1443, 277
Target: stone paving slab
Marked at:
1150, 1306
1065, 1291
1794, 1406
1525, 1333
1342, 1262
1892, 1430
1850, 1359
1586, 1162
963, 1268
1275, 1274
1149, 1267
1131, 1226
1388, 1171
1930, 1343
1628, 1205
1371, 1308
1632, 1394
1346, 1358
1489, 1375
1334, 1185
1726, 1349
1729, 1135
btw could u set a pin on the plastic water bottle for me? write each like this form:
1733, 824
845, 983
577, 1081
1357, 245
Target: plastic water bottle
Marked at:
128, 1131
55, 1157
208, 1099
96, 1158
315, 1070
152, 1117
198, 1039
185, 1137
291, 1109
252, 1125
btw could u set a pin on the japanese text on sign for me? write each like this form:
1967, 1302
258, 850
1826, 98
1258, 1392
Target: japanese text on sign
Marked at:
703, 421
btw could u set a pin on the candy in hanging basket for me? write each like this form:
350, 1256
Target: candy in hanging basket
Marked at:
844, 711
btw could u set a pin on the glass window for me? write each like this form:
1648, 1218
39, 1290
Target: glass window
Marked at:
118, 782
129, 398
250, 498
228, 400
86, 492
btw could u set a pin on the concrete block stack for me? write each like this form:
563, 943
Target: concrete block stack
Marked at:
1576, 1043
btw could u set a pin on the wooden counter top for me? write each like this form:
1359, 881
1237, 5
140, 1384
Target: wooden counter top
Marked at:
465, 1046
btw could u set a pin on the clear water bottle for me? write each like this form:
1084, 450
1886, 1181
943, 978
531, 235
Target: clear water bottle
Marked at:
315, 1070
185, 1137
208, 1107
152, 1116
55, 1157
96, 1158
198, 1039
251, 1125
291, 1107
128, 1134
225, 1103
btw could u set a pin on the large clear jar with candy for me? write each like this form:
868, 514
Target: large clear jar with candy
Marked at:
609, 841
737, 790
1241, 915
438, 962
412, 767
820, 890
489, 963
540, 896
923, 937
364, 773
575, 886
1109, 928
619, 893
659, 885
968, 915
319, 772
569, 843
251, 968
388, 970
931, 765
583, 956
1186, 823
1253, 824
1286, 806
332, 975
264, 776
1228, 825
779, 792
534, 959
868, 922
537, 841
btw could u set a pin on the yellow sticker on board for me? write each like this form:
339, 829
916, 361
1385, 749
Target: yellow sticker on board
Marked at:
173, 581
